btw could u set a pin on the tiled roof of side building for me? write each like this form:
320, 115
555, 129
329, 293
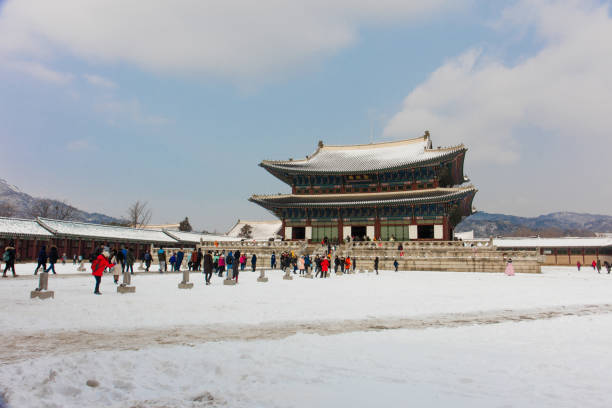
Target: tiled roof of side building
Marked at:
565, 242
83, 229
194, 237
361, 199
365, 158
20, 227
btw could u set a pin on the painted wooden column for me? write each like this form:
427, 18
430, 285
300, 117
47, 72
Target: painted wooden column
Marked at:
66, 250
446, 229
282, 231
138, 250
340, 227
80, 247
569, 256
583, 261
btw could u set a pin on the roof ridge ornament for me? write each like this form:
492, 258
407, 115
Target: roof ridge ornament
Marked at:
321, 144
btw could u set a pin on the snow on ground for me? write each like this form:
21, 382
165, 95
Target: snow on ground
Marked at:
159, 303
469, 360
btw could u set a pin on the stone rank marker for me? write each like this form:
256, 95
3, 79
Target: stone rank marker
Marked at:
41, 291
185, 284
230, 279
262, 276
125, 285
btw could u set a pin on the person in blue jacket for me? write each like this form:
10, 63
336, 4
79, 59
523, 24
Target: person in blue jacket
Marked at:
273, 261
179, 259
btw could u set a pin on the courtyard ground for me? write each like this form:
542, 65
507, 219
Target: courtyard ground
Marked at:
406, 338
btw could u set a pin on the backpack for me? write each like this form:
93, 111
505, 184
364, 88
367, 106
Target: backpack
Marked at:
6, 256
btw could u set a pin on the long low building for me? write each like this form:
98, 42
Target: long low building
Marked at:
81, 238
562, 251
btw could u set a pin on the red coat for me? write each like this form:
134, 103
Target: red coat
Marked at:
99, 265
324, 265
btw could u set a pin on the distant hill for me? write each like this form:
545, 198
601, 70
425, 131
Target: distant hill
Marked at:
15, 203
557, 224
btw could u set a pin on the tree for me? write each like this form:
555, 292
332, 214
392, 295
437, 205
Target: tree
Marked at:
246, 231
58, 210
185, 226
6, 209
138, 214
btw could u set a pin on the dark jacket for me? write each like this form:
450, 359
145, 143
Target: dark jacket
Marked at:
42, 255
253, 259
53, 255
129, 258
208, 263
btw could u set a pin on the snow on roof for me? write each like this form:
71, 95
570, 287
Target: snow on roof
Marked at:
18, 226
83, 229
364, 158
262, 230
552, 242
194, 237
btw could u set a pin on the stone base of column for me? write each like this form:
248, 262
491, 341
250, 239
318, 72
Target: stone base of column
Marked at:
229, 282
264, 279
287, 277
188, 285
309, 276
126, 289
42, 294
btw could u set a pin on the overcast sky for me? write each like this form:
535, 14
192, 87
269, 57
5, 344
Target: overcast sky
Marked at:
104, 102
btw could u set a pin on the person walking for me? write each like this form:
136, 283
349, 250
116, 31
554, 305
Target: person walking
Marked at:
354, 261
347, 264
235, 270
273, 261
199, 258
208, 267
193, 261
129, 261
161, 258
509, 268
147, 260
120, 258
53, 257
317, 263
336, 264
578, 265
598, 265
115, 269
324, 267
300, 265
242, 262
221, 265
376, 265
229, 262
97, 269
254, 262
594, 265
9, 259
42, 259
395, 264
179, 259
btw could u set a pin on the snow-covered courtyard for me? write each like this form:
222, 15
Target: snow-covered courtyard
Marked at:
396, 339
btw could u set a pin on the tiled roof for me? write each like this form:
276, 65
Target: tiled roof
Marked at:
262, 230
21, 227
83, 229
194, 237
361, 199
552, 242
365, 158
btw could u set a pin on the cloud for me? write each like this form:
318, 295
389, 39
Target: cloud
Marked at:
500, 110
121, 110
40, 72
237, 39
99, 81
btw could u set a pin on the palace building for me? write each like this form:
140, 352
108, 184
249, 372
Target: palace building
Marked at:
403, 190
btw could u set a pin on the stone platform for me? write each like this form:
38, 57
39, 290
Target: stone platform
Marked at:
42, 294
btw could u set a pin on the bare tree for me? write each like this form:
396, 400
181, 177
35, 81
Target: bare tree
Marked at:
41, 208
63, 211
6, 209
138, 214
58, 210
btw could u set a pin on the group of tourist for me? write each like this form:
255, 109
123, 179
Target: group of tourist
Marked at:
597, 265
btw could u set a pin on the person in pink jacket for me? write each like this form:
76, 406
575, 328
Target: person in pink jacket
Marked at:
301, 265
509, 268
